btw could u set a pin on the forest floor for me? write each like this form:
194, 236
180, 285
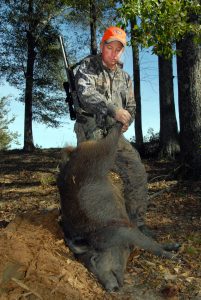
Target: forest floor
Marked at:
36, 264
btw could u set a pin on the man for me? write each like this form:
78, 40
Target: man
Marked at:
106, 96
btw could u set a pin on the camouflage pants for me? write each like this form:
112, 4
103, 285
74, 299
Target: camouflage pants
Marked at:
131, 170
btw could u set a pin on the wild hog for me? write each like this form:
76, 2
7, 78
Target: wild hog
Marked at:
95, 222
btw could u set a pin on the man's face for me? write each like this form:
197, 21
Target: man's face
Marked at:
111, 53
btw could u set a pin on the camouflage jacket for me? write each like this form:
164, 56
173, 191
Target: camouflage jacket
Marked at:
102, 91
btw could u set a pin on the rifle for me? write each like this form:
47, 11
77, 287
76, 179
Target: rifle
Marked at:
69, 86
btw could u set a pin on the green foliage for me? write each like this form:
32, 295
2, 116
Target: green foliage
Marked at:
41, 27
162, 23
42, 22
80, 11
6, 137
78, 18
150, 143
151, 136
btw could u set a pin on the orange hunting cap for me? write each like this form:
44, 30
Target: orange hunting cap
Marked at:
114, 34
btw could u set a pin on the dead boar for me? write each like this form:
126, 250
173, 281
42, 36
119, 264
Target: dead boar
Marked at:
95, 222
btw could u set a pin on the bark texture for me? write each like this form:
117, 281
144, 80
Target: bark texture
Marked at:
93, 19
189, 88
169, 143
137, 92
31, 55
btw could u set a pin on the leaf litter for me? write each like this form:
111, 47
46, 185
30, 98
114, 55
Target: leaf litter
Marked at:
36, 264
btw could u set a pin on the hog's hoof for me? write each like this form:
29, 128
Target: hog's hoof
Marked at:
171, 247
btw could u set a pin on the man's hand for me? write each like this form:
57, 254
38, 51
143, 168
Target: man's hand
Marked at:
124, 128
123, 116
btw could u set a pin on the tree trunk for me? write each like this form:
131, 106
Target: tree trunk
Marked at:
31, 55
93, 27
169, 142
137, 92
189, 89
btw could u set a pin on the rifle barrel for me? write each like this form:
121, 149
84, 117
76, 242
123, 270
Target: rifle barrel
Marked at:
63, 52
72, 99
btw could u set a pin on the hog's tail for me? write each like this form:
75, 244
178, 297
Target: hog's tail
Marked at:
108, 145
107, 148
100, 154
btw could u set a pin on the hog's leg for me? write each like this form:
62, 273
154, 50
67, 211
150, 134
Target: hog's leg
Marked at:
129, 237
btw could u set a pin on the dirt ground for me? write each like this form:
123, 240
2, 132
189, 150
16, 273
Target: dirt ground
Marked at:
36, 264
